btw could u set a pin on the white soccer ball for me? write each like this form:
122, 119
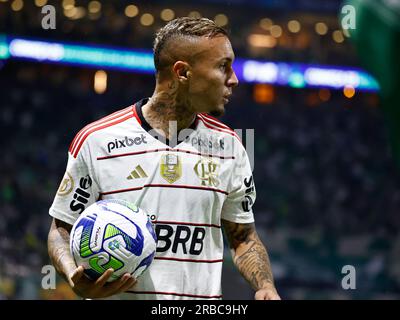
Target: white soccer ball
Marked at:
113, 234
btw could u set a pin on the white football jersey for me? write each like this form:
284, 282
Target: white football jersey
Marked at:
186, 188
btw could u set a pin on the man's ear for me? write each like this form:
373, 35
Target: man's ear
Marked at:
181, 70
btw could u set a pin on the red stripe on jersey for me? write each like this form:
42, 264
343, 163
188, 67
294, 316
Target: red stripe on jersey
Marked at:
163, 186
218, 125
210, 126
120, 191
177, 294
163, 149
136, 115
188, 223
112, 117
94, 129
188, 260
215, 121
100, 121
186, 187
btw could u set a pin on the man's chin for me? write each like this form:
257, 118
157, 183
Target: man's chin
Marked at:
217, 113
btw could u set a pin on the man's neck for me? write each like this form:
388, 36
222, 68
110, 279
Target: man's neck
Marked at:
165, 114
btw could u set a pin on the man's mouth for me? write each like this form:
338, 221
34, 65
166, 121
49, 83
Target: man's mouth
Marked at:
226, 98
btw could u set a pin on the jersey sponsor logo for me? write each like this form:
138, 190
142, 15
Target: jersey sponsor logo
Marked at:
180, 239
66, 185
206, 170
207, 142
81, 196
171, 167
137, 173
126, 142
248, 201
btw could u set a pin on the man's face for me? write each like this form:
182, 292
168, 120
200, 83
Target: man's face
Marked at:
212, 77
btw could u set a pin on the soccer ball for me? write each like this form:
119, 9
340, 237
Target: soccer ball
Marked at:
113, 234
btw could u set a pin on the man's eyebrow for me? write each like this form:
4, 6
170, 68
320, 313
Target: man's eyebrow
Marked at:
229, 59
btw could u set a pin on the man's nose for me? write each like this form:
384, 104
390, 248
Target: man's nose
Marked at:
233, 80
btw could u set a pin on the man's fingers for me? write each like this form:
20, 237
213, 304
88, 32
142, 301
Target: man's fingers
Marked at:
121, 285
118, 284
131, 282
100, 282
77, 274
266, 295
259, 296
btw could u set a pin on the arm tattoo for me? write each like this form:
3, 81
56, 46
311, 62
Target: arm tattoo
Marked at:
249, 254
58, 248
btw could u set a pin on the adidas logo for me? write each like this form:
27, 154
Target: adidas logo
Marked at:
137, 173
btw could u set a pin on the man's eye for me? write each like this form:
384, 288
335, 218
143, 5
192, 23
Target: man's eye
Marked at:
223, 66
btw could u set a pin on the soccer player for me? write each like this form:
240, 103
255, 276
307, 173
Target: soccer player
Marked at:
186, 169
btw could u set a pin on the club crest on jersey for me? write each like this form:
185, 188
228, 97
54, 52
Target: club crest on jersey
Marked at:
170, 167
66, 185
207, 171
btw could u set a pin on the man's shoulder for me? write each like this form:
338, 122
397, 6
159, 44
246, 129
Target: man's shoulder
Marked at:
216, 125
218, 128
93, 131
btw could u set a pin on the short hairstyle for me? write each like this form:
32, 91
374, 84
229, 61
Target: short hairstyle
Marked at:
184, 27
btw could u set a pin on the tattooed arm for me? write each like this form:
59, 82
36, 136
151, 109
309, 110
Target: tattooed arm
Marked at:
59, 252
58, 248
251, 258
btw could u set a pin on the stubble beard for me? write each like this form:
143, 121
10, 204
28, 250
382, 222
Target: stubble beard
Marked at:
217, 112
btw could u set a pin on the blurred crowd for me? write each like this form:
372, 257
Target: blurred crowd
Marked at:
328, 189
286, 35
